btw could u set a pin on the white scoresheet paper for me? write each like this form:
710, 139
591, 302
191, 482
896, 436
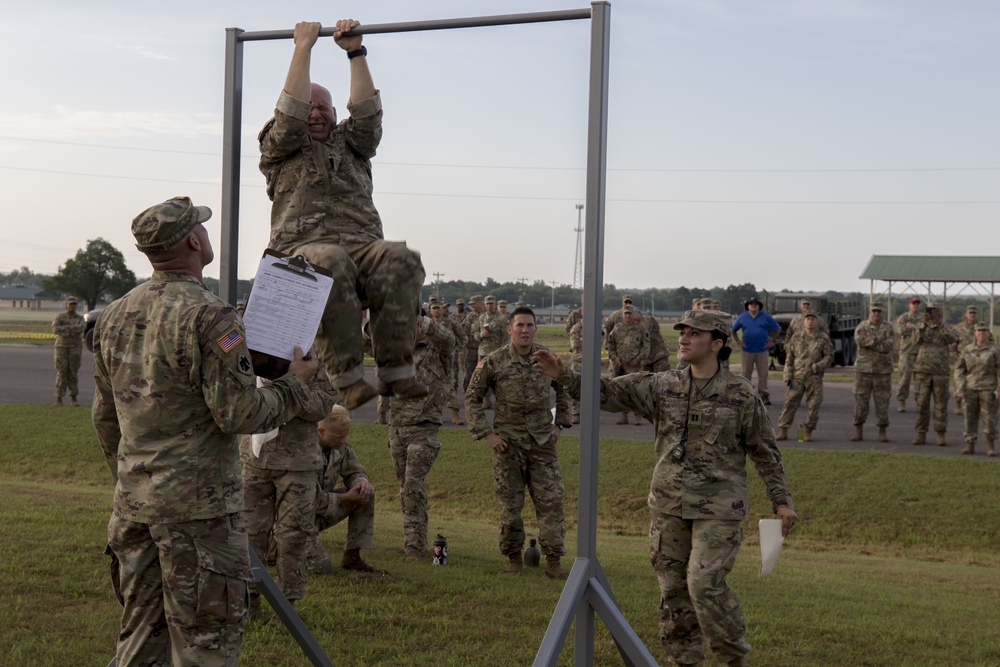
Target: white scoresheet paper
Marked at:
770, 545
285, 308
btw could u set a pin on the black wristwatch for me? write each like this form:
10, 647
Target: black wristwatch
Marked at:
356, 53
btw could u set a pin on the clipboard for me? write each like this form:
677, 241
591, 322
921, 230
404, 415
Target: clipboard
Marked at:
285, 307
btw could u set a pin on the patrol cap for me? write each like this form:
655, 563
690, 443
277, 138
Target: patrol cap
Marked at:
810, 313
436, 305
627, 298
490, 299
161, 227
628, 309
706, 320
982, 326
502, 302
706, 301
932, 305
241, 303
972, 309
71, 299
475, 298
432, 299
459, 302
877, 306
805, 302
695, 301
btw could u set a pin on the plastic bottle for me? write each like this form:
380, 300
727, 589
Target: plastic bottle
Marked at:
802, 433
440, 550
532, 557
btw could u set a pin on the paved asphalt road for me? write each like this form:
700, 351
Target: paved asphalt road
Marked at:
28, 376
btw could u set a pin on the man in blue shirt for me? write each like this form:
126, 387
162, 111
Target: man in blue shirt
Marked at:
759, 333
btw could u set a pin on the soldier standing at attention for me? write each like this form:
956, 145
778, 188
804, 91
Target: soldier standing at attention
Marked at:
615, 318
471, 323
966, 332
906, 330
931, 373
873, 371
279, 488
628, 347
707, 422
809, 355
976, 380
523, 439
439, 311
319, 178
174, 384
413, 436
68, 327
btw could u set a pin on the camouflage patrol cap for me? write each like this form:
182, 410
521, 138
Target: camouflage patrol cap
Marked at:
436, 305
810, 313
432, 299
459, 302
628, 309
931, 305
161, 227
982, 326
626, 298
490, 299
706, 320
877, 306
475, 298
71, 299
502, 302
972, 309
706, 301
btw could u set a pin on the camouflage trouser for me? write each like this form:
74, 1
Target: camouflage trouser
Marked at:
385, 277
577, 367
382, 405
413, 450
812, 387
692, 559
184, 589
906, 361
282, 501
927, 384
67, 361
360, 518
471, 359
976, 403
451, 383
868, 386
526, 463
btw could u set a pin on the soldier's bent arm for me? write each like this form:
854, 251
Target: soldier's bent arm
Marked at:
757, 436
104, 413
482, 380
351, 469
440, 336
632, 393
321, 397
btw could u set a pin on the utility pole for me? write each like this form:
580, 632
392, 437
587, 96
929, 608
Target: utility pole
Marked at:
552, 306
437, 285
578, 262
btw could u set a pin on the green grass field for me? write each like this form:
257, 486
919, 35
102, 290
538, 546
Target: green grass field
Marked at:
894, 561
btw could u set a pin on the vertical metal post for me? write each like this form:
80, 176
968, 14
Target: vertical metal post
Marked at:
232, 120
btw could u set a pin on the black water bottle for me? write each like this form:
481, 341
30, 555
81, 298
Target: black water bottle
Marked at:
532, 557
440, 550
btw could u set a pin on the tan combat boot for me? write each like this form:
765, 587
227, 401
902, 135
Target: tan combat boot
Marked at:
941, 440
357, 394
989, 448
456, 418
255, 611
782, 433
412, 554
807, 434
638, 419
73, 403
902, 406
553, 569
857, 435
920, 438
882, 435
622, 419
969, 448
576, 419
380, 419
514, 564
58, 400
352, 560
738, 662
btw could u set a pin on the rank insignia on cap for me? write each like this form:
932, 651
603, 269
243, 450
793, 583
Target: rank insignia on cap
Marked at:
230, 339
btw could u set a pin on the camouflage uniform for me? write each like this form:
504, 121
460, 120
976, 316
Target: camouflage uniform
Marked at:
571, 319
461, 338
576, 360
610, 322
459, 318
174, 382
966, 333
628, 348
907, 352
279, 488
471, 323
68, 328
698, 496
976, 375
413, 436
658, 358
498, 338
873, 371
797, 326
343, 464
931, 374
323, 209
524, 420
806, 362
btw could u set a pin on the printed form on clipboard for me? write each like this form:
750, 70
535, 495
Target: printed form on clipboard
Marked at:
285, 308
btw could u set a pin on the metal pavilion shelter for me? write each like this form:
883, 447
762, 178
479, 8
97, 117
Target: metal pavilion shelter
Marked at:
917, 275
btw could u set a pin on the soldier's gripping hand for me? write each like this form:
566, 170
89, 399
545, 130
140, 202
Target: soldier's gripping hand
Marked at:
548, 363
788, 518
306, 33
344, 40
303, 366
496, 443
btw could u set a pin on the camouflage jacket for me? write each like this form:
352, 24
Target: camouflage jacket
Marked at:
932, 343
797, 326
498, 338
338, 465
807, 355
966, 336
576, 342
174, 384
68, 328
321, 191
571, 319
876, 345
457, 330
610, 322
431, 356
523, 404
471, 324
296, 447
657, 346
978, 368
908, 337
628, 346
726, 423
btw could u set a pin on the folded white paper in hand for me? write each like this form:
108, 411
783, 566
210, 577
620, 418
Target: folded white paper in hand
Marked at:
770, 544
257, 440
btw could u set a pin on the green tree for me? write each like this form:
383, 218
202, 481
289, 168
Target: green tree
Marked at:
95, 272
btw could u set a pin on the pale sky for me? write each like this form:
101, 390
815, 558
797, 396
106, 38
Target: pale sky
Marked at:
779, 142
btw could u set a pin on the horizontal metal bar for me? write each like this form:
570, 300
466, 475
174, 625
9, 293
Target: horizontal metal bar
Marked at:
438, 24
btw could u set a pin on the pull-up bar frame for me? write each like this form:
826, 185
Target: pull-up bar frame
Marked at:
587, 590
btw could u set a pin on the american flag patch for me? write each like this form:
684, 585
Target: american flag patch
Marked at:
231, 339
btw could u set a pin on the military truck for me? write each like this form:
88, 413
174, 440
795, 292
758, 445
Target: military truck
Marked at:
841, 317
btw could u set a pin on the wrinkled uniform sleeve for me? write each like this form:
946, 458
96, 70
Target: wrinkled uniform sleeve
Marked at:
632, 393
482, 380
321, 396
103, 413
758, 440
